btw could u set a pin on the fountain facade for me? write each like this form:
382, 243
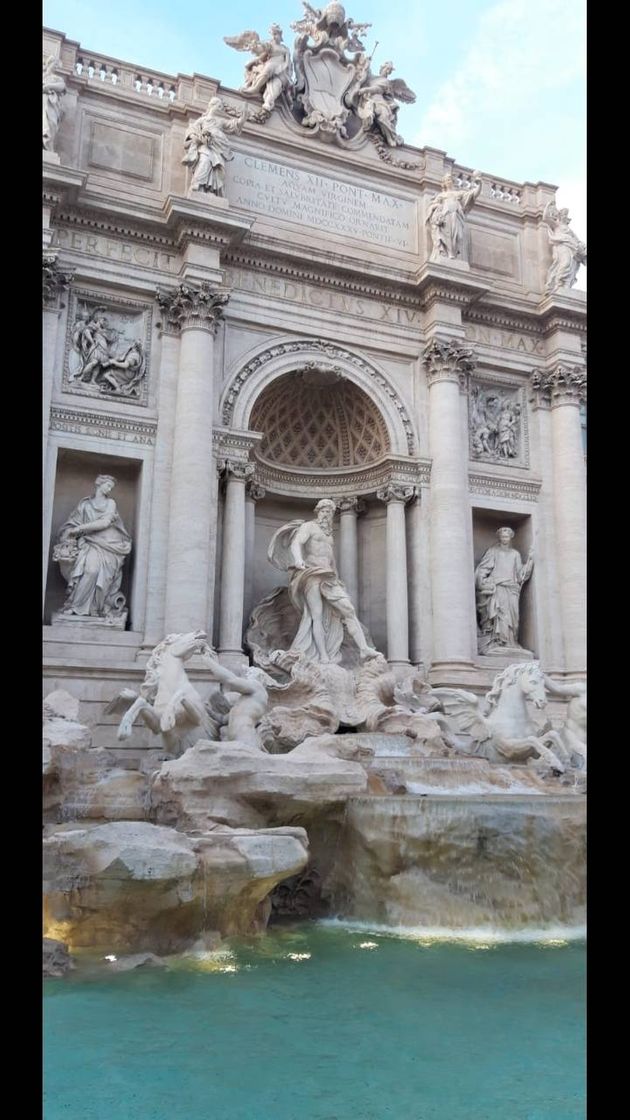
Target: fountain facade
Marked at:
314, 537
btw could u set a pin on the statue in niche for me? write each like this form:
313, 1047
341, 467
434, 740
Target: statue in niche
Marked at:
269, 72
91, 549
376, 101
494, 424
103, 358
208, 148
318, 600
499, 578
53, 90
446, 218
567, 251
170, 705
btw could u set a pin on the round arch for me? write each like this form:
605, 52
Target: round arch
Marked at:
273, 361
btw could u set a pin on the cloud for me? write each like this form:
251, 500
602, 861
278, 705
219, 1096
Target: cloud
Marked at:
522, 53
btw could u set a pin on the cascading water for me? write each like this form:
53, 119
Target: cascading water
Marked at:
455, 862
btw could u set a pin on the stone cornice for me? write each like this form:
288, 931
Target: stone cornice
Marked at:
446, 360
230, 443
338, 483
497, 486
560, 386
438, 283
495, 317
187, 306
102, 425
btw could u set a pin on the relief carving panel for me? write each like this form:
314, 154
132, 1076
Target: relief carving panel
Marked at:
107, 349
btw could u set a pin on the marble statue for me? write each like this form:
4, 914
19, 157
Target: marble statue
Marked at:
324, 74
170, 705
499, 726
569, 740
499, 578
102, 358
269, 72
567, 251
317, 599
54, 88
446, 218
208, 148
376, 103
494, 424
91, 549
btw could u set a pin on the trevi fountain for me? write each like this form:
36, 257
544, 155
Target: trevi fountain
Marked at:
314, 623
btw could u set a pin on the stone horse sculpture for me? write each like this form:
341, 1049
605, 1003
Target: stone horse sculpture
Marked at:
170, 705
500, 725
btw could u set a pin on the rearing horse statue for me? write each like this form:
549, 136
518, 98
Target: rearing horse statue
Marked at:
499, 724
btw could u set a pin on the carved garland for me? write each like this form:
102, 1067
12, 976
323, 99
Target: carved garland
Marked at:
331, 351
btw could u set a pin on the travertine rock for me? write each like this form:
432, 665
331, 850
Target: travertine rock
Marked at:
137, 886
61, 705
238, 785
56, 959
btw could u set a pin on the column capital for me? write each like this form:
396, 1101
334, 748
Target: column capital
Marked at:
237, 469
445, 360
199, 306
54, 282
254, 491
396, 492
350, 504
559, 386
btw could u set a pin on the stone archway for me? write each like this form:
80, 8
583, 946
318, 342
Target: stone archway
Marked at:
246, 386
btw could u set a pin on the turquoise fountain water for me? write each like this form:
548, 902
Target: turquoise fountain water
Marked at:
325, 1023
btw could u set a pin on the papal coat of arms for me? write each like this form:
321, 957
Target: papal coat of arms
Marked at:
328, 91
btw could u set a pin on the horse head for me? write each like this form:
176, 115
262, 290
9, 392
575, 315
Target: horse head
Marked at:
184, 645
532, 683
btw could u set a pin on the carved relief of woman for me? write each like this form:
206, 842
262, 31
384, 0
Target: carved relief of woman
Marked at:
53, 89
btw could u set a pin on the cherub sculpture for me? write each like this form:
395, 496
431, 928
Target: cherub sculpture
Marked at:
376, 100
567, 251
269, 72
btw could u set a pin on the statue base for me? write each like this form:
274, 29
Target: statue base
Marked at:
117, 622
499, 657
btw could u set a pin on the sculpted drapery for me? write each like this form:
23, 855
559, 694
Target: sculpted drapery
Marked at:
499, 578
93, 570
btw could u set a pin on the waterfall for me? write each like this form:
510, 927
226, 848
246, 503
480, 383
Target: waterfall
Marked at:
455, 862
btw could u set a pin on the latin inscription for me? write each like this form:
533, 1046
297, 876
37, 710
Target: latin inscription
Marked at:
326, 300
321, 202
505, 340
111, 249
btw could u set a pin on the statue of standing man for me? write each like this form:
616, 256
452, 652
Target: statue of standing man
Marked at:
305, 550
499, 578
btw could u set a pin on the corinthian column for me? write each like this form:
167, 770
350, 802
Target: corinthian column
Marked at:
564, 388
193, 311
349, 509
254, 492
396, 495
54, 283
448, 367
233, 562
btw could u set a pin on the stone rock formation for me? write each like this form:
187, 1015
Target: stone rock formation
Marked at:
136, 886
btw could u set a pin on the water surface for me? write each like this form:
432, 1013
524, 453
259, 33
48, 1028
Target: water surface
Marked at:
325, 1023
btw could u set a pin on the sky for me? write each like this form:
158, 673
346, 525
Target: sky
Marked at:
499, 86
